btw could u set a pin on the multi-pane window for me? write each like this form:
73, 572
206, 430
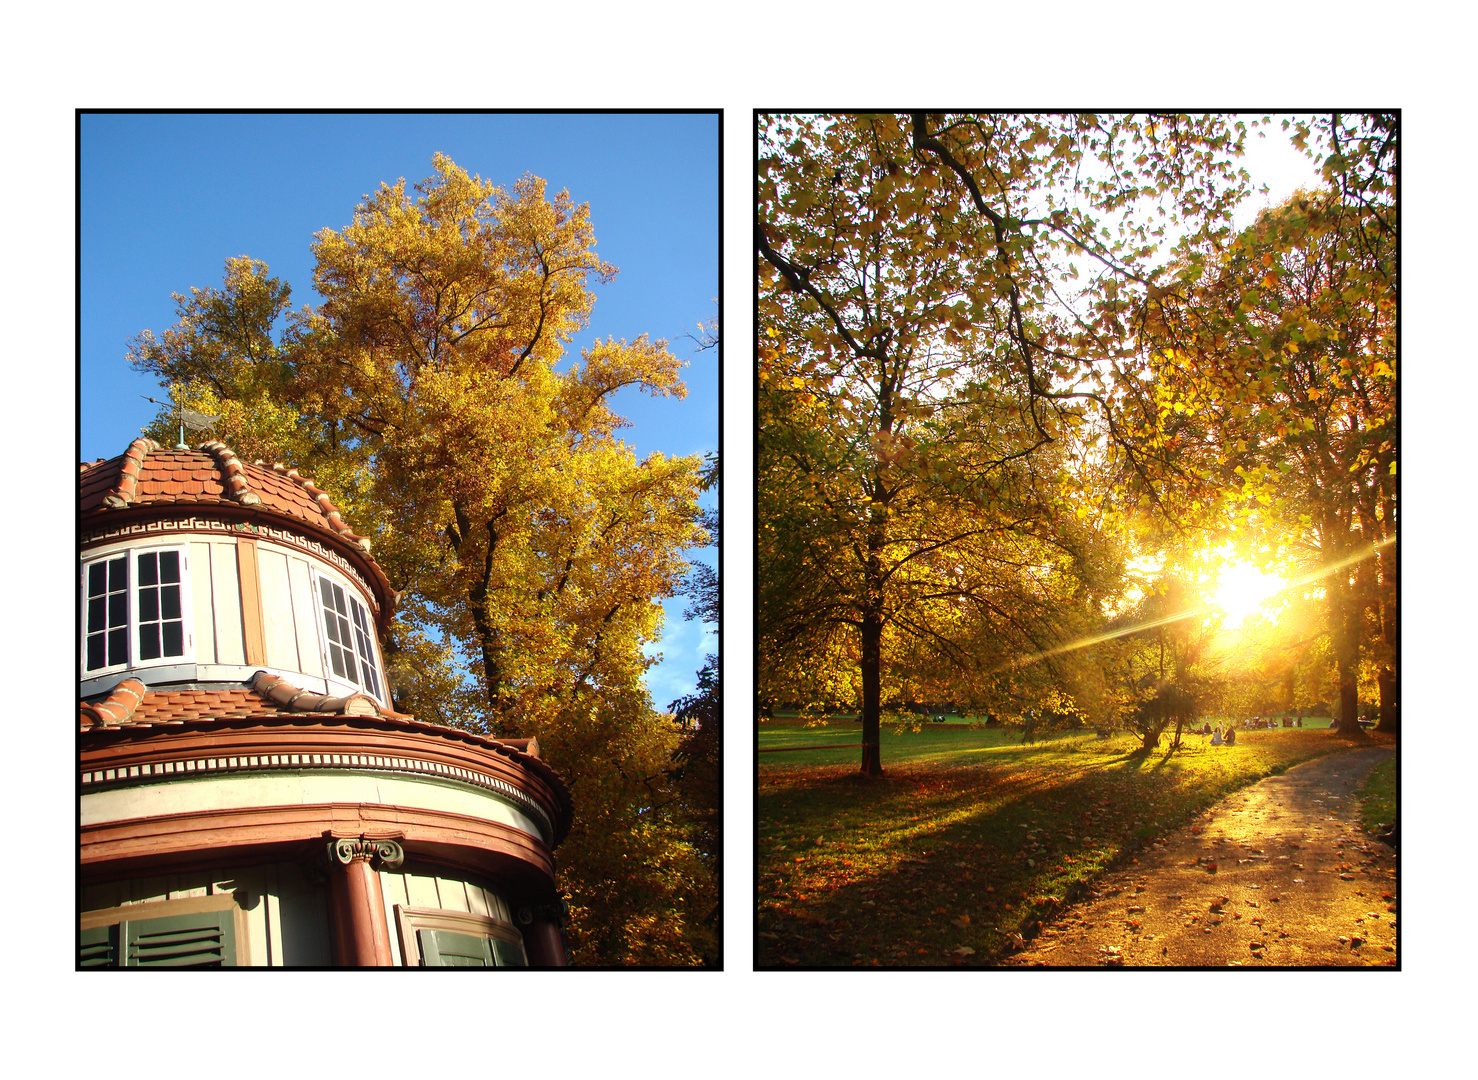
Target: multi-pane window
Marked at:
134, 610
351, 648
107, 613
161, 614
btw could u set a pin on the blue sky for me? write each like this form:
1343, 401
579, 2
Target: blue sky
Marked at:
167, 198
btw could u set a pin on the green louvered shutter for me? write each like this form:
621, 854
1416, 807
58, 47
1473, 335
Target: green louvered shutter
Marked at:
99, 947
442, 948
203, 939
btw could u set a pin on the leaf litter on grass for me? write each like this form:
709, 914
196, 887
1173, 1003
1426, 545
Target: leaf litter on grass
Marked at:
965, 856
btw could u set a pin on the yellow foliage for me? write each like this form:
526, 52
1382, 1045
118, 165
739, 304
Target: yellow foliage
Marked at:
531, 548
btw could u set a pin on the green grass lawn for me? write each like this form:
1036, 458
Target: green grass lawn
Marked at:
1378, 795
971, 837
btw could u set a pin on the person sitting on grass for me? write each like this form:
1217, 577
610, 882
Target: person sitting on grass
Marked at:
1231, 736
1216, 737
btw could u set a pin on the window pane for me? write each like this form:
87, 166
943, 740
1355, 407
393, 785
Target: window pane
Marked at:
95, 651
148, 605
149, 642
339, 601
97, 611
325, 588
117, 609
149, 569
97, 579
169, 566
344, 638
118, 574
174, 639
509, 954
118, 646
169, 597
336, 657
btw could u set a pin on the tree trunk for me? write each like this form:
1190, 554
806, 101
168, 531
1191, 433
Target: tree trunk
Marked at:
1390, 700
872, 686
1389, 678
1347, 659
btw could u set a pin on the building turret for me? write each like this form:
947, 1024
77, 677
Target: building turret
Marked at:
250, 796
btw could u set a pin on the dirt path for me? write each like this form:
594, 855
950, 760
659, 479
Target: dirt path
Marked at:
1278, 875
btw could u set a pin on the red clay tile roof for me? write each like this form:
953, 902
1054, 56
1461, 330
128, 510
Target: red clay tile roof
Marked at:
149, 474
117, 707
131, 702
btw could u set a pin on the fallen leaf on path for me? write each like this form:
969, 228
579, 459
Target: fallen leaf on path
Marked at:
965, 950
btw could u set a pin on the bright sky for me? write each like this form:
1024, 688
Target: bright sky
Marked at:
1273, 160
166, 198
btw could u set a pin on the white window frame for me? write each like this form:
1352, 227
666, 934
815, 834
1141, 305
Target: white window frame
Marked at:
367, 632
132, 660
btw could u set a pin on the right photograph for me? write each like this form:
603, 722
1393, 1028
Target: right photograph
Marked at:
1077, 608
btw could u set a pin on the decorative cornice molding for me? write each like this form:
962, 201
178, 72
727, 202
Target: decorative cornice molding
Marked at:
154, 772
518, 863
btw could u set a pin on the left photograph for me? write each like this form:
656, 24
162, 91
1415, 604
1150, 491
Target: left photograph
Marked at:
398, 590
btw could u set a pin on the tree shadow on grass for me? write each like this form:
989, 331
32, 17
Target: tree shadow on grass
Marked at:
940, 872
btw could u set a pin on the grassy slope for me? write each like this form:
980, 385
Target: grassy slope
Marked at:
969, 838
1378, 795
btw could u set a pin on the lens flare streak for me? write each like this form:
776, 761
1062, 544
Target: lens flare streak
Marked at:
1360, 555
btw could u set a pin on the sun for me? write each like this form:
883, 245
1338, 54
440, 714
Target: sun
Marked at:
1242, 589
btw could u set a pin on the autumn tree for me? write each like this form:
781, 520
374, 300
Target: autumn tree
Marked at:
430, 389
1281, 350
1164, 664
932, 353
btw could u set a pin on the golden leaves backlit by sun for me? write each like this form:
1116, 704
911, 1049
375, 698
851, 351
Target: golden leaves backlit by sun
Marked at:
1242, 590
